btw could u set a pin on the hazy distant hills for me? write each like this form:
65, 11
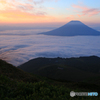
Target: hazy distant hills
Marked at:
73, 28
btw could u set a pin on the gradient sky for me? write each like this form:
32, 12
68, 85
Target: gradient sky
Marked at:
49, 11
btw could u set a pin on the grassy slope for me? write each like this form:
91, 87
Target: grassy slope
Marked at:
74, 69
13, 87
91, 64
14, 73
67, 73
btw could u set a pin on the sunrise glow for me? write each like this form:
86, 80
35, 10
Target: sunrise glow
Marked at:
45, 11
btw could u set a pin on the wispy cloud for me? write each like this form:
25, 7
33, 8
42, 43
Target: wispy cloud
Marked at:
12, 10
23, 6
84, 10
41, 1
18, 10
91, 12
16, 5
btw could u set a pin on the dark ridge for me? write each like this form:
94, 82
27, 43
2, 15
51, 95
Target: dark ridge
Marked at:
64, 69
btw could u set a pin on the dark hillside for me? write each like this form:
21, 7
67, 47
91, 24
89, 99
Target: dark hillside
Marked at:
64, 73
16, 84
65, 69
14, 73
90, 64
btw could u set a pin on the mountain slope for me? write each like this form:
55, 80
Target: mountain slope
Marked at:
14, 88
69, 69
65, 73
12, 72
73, 28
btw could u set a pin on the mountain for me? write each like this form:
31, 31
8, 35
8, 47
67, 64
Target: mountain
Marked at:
73, 28
65, 69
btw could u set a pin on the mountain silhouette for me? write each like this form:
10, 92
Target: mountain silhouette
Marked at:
73, 28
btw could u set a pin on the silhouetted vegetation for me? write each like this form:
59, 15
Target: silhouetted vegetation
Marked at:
16, 84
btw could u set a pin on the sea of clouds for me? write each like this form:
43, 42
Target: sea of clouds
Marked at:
19, 46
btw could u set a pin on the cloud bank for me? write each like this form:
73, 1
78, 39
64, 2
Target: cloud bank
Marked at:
17, 49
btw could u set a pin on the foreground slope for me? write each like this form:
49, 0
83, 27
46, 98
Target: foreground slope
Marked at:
14, 88
73, 28
12, 72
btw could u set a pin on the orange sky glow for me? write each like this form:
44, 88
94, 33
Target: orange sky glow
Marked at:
47, 11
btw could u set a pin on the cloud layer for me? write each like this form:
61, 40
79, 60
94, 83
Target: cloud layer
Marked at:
17, 49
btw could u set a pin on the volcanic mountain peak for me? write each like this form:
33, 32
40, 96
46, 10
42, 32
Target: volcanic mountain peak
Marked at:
73, 28
74, 22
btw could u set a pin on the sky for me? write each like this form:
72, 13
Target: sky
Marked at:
49, 11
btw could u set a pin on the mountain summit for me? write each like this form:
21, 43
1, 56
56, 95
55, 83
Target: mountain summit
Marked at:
73, 28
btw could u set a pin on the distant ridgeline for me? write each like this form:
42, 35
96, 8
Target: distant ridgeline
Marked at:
73, 28
64, 68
